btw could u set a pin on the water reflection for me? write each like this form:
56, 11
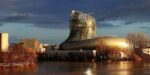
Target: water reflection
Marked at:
83, 68
118, 68
124, 68
23, 70
89, 71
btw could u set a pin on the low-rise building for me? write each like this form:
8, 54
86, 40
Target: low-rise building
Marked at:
31, 44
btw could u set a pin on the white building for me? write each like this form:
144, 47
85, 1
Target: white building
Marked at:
4, 42
146, 51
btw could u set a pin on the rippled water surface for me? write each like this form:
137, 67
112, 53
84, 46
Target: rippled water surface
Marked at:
84, 68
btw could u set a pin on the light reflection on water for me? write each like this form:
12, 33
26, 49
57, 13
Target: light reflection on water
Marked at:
84, 68
89, 71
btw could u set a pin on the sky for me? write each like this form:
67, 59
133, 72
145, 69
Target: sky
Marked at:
48, 20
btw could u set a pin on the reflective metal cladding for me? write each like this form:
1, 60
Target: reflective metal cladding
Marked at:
83, 34
82, 28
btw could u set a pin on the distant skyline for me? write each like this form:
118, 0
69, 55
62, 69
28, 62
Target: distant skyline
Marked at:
48, 20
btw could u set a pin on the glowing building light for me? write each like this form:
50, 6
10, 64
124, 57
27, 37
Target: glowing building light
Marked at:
94, 53
4, 42
125, 45
123, 55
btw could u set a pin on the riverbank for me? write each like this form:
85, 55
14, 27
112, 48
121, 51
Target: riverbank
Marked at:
80, 55
8, 67
18, 64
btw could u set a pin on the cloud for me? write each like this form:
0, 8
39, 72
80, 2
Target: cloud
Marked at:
114, 23
1, 24
144, 27
16, 17
106, 25
50, 14
129, 10
129, 22
52, 25
56, 13
41, 21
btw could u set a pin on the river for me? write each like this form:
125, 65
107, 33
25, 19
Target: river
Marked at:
85, 68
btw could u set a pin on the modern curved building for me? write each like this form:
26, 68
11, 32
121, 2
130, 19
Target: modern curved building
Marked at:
82, 27
82, 31
83, 35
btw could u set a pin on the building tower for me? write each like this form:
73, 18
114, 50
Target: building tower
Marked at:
4, 40
82, 28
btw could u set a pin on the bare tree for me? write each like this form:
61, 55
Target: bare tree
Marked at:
139, 40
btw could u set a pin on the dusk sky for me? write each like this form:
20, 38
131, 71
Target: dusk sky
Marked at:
48, 20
